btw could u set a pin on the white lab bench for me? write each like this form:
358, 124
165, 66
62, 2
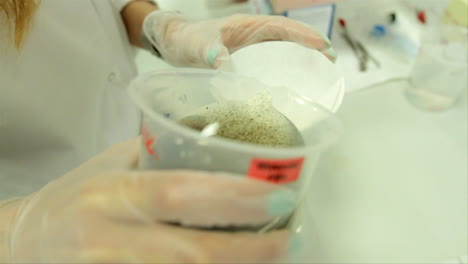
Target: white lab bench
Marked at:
394, 188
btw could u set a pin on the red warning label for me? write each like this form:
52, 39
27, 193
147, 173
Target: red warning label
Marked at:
149, 141
276, 171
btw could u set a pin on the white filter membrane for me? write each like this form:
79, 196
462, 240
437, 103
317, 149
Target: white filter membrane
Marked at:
290, 66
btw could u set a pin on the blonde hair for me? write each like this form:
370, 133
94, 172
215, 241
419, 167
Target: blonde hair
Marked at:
19, 15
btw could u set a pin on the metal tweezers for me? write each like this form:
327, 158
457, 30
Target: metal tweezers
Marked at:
362, 54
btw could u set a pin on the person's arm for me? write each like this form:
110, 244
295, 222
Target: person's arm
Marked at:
107, 211
182, 41
133, 15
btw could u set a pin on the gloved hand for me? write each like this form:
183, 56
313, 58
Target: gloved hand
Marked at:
106, 212
207, 44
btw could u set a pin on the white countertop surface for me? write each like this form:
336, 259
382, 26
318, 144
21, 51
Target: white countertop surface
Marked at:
394, 189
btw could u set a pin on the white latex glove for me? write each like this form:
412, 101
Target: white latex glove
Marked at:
105, 212
207, 44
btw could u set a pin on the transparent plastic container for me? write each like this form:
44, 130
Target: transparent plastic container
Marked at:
167, 96
439, 76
